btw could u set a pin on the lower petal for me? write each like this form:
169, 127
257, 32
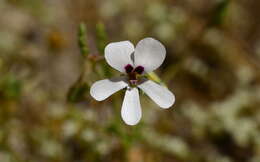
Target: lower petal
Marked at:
159, 94
102, 89
131, 109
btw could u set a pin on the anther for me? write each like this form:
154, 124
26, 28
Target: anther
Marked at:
139, 69
128, 68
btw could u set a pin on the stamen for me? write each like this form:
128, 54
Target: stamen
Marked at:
139, 69
128, 68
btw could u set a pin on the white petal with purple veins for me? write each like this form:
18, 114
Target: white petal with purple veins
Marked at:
131, 108
102, 89
159, 94
118, 54
150, 54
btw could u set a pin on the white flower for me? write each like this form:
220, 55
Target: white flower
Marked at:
148, 55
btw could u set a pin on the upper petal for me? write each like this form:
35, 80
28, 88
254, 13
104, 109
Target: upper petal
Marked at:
118, 54
131, 109
159, 94
102, 89
150, 54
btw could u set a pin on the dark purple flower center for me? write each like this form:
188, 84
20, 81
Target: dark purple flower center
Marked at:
128, 68
139, 69
133, 72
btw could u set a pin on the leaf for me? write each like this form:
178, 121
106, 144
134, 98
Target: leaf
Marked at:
82, 39
10, 87
101, 37
220, 12
77, 92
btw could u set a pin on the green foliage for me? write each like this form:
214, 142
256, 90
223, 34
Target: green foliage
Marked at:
101, 37
220, 12
10, 87
82, 40
78, 92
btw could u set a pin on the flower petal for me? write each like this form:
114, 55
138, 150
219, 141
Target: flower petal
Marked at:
102, 89
131, 108
150, 54
159, 94
118, 54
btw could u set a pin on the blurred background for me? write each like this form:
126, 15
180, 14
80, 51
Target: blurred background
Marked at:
48, 62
